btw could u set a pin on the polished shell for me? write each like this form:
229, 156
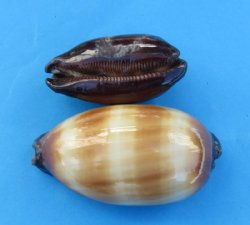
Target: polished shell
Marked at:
117, 69
129, 154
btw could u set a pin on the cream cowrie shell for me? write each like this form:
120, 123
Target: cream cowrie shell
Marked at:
129, 154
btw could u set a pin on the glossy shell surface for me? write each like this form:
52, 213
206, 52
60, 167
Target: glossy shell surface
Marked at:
129, 154
118, 69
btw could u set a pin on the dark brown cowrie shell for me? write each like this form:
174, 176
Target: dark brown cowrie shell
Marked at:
119, 69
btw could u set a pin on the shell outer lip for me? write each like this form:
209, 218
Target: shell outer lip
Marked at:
94, 89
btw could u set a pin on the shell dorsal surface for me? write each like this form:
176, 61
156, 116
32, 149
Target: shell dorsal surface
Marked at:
129, 154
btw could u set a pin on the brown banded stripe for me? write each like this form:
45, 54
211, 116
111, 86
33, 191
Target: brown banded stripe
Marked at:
83, 150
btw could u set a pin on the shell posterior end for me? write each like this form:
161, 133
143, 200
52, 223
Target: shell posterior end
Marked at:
37, 160
216, 149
